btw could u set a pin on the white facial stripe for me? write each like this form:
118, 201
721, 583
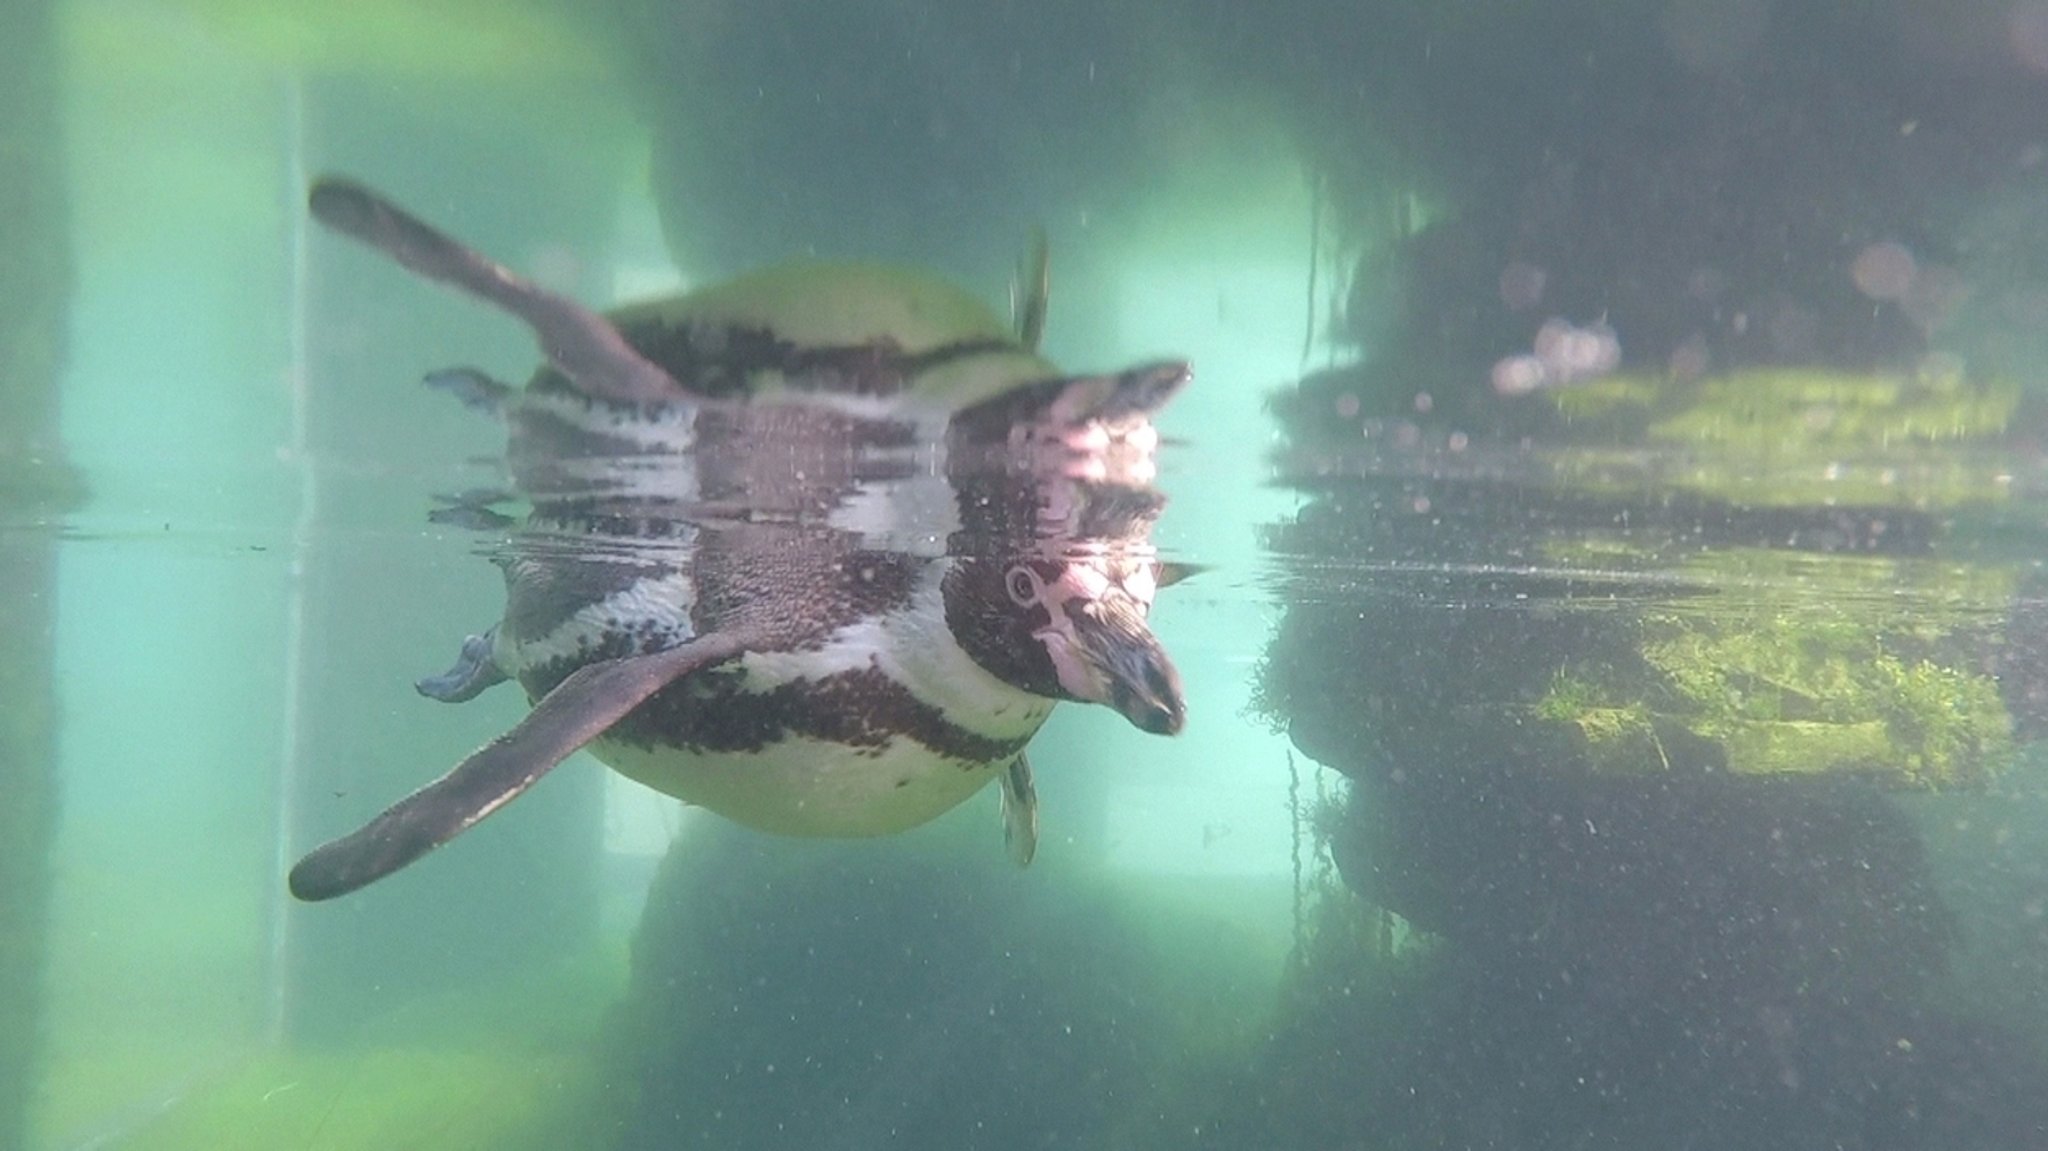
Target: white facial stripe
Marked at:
1089, 437
1085, 581
1099, 576
1120, 451
1142, 583
1076, 675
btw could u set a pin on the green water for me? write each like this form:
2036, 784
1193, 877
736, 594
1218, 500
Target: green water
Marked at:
1650, 758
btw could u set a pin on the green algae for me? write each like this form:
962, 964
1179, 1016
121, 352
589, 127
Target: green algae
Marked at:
1618, 734
1794, 410
1837, 678
1795, 436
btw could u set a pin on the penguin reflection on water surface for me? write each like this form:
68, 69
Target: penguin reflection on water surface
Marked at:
818, 549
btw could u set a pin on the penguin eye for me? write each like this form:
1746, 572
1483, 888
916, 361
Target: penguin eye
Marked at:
1024, 586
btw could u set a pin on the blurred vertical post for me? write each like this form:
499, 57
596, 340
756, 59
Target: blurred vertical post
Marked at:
35, 290
486, 163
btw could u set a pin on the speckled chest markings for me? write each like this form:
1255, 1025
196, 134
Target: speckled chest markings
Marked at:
701, 595
835, 678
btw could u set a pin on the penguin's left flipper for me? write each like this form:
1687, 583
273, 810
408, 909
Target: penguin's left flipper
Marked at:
577, 711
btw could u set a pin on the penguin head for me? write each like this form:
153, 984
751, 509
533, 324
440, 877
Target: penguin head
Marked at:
1054, 573
1069, 627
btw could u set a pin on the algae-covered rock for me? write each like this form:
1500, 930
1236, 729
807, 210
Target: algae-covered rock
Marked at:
1840, 664
1772, 571
1620, 666
1794, 436
1632, 963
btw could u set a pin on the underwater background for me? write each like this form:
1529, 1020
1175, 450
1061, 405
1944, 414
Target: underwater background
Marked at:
1616, 678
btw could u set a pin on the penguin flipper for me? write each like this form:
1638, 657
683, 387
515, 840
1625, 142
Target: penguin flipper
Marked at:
577, 711
582, 344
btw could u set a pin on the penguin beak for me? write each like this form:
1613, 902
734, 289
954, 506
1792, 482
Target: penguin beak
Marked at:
1116, 660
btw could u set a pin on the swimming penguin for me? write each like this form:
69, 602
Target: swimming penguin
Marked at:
818, 549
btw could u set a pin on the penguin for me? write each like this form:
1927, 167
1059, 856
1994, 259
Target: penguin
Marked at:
818, 549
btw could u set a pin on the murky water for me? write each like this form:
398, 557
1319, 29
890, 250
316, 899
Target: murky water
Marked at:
1614, 662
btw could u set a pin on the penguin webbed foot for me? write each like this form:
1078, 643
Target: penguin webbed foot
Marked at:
472, 512
475, 670
1020, 812
476, 390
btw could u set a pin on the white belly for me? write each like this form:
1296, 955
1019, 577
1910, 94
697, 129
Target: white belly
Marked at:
803, 787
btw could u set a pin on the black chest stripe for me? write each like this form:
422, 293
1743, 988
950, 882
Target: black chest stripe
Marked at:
723, 360
863, 709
